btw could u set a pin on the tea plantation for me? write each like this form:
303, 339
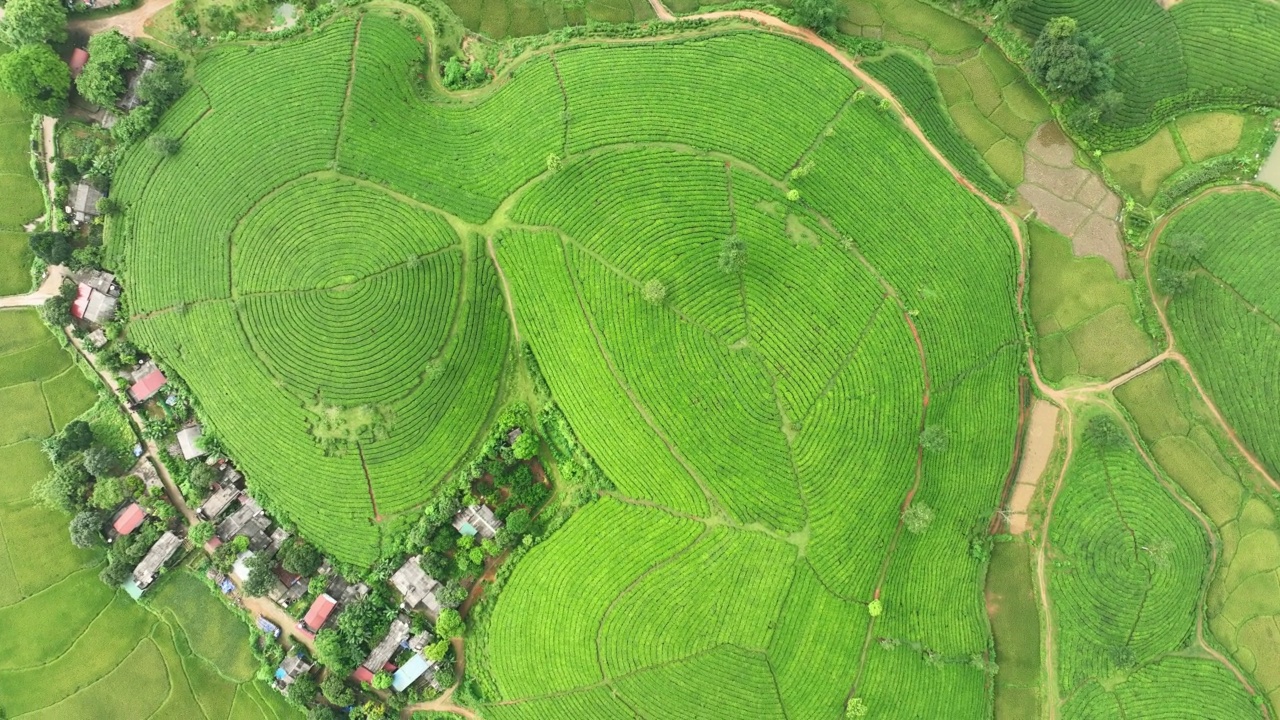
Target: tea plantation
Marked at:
327, 263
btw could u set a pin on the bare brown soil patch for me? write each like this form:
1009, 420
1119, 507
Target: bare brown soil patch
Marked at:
1042, 431
1071, 199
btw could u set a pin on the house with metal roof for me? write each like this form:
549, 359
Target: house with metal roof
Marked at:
408, 674
318, 613
217, 503
128, 519
84, 202
157, 556
477, 520
148, 385
188, 438
417, 587
382, 653
293, 667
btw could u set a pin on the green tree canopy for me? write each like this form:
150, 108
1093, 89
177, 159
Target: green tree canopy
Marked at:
32, 22
382, 680
100, 461
821, 15
300, 558
259, 581
733, 255
302, 691
108, 492
52, 247
37, 77
62, 489
86, 529
1070, 63
336, 691
102, 79
201, 533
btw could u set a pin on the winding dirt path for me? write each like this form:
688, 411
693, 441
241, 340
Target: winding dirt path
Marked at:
131, 23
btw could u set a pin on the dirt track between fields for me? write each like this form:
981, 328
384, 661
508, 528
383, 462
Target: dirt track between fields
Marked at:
131, 23
1042, 435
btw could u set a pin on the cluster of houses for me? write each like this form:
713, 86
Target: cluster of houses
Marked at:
418, 592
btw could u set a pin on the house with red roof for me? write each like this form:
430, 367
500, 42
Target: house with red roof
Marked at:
79, 57
129, 519
318, 614
148, 385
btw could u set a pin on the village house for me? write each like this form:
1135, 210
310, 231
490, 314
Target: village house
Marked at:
409, 673
477, 520
128, 519
84, 202
382, 653
248, 520
97, 296
214, 505
293, 667
417, 587
340, 588
146, 472
157, 556
130, 99
147, 381
318, 614
188, 438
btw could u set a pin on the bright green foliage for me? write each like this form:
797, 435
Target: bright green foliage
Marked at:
37, 77
1129, 569
1168, 690
919, 94
1222, 249
31, 22
102, 79
1196, 53
762, 427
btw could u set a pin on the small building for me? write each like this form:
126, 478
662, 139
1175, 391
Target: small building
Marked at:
97, 296
513, 436
318, 613
362, 674
188, 438
217, 503
148, 385
268, 627
417, 587
477, 520
157, 556
236, 522
79, 57
420, 641
147, 473
97, 338
382, 653
293, 667
128, 519
276, 541
240, 569
84, 202
409, 673
130, 99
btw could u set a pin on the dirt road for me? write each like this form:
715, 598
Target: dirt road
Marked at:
131, 23
48, 288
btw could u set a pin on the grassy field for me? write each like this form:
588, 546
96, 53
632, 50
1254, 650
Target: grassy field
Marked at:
21, 193
1084, 316
740, 415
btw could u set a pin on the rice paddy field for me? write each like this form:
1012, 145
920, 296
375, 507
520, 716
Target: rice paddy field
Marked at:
71, 647
21, 193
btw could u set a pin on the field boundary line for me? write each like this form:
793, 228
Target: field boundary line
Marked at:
848, 358
144, 639
345, 108
78, 639
713, 501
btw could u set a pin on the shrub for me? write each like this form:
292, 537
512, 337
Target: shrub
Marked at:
86, 529
733, 255
917, 518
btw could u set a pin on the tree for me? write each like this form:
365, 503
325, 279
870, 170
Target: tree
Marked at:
336, 691
37, 77
32, 22
654, 291
1104, 433
518, 522
165, 145
820, 15
917, 518
221, 19
62, 489
334, 653
525, 446
435, 652
102, 79
1070, 63
100, 461
875, 608
163, 85
201, 478
452, 594
303, 691
449, 624
52, 247
115, 573
86, 529
57, 310
259, 581
554, 162
733, 255
857, 708
75, 437
301, 558
934, 439
324, 712
108, 492
381, 680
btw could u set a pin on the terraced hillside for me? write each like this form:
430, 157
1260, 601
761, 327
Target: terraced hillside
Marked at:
333, 292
